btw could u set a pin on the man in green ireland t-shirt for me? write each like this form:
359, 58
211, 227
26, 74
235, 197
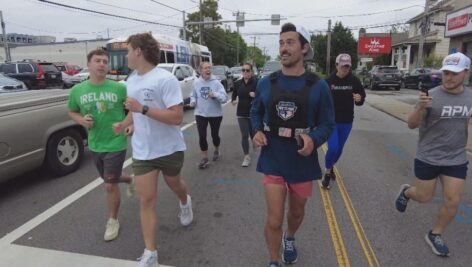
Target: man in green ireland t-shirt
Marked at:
96, 104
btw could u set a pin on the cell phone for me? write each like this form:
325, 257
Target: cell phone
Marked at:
425, 90
300, 143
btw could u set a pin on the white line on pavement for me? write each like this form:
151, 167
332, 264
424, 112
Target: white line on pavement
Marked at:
5, 242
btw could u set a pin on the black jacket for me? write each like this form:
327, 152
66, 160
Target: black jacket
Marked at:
241, 91
341, 92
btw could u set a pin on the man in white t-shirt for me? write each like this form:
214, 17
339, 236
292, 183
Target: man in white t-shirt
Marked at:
156, 107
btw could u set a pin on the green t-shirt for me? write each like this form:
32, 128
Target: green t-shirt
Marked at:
105, 103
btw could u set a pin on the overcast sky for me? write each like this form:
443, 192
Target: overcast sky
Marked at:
37, 18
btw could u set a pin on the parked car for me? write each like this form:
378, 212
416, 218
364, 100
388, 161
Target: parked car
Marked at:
35, 74
383, 76
38, 132
236, 72
269, 67
430, 80
83, 74
186, 76
70, 69
70, 80
8, 85
417, 77
224, 75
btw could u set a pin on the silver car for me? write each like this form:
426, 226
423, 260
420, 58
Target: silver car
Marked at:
8, 85
186, 76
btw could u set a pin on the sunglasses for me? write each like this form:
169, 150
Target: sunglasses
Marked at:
246, 70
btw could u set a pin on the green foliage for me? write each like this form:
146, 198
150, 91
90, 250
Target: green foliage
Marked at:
342, 41
433, 61
222, 43
255, 56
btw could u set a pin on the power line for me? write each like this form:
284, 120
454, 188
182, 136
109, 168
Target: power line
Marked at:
107, 14
166, 5
365, 14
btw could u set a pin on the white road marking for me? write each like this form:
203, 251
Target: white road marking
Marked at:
15, 255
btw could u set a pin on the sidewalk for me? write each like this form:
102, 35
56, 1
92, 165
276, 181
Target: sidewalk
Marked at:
400, 110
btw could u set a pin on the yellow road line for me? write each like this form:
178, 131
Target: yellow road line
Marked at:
361, 236
334, 230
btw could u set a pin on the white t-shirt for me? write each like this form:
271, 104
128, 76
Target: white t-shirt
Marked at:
153, 139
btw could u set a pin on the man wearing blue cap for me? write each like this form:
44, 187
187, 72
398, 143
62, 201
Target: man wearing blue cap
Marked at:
442, 115
292, 115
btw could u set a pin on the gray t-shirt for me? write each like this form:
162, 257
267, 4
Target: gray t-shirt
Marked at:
444, 128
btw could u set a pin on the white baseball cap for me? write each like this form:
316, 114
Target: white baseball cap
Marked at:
306, 35
343, 60
456, 62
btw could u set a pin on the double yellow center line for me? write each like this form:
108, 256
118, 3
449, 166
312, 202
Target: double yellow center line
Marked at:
336, 236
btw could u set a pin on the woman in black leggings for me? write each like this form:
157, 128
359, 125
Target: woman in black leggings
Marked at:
207, 97
245, 91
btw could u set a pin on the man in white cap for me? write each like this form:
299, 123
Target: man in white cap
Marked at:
292, 115
346, 90
442, 115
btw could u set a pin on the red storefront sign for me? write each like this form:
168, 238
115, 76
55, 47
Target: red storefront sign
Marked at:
374, 45
457, 22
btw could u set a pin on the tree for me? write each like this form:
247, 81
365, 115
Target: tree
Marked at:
209, 8
221, 43
256, 57
342, 41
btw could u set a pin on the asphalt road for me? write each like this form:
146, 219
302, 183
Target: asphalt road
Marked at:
353, 224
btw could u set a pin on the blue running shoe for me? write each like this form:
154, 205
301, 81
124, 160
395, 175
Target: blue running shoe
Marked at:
289, 254
401, 200
437, 244
275, 264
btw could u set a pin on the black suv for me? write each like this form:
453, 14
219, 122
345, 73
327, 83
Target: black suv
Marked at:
35, 74
383, 76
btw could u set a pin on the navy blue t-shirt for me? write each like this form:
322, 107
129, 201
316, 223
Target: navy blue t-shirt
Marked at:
280, 156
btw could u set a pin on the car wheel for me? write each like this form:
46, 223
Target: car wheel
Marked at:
398, 88
64, 152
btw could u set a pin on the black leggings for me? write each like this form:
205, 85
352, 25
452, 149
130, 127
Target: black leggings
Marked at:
202, 124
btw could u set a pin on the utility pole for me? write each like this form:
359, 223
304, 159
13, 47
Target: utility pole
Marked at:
108, 33
184, 34
237, 39
424, 28
201, 19
5, 42
254, 52
328, 50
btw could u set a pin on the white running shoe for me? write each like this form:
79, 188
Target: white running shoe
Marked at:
112, 229
186, 212
148, 259
246, 161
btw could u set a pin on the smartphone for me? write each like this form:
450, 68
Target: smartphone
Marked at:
425, 90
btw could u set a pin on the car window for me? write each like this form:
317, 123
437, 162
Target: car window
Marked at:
179, 73
218, 70
186, 71
49, 67
25, 68
61, 67
388, 70
8, 68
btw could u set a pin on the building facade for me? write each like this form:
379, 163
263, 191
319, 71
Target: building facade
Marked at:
459, 29
70, 52
405, 52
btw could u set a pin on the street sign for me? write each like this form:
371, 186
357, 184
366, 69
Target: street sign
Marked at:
240, 20
275, 19
209, 25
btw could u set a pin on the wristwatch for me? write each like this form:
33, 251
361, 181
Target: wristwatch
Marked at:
145, 109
